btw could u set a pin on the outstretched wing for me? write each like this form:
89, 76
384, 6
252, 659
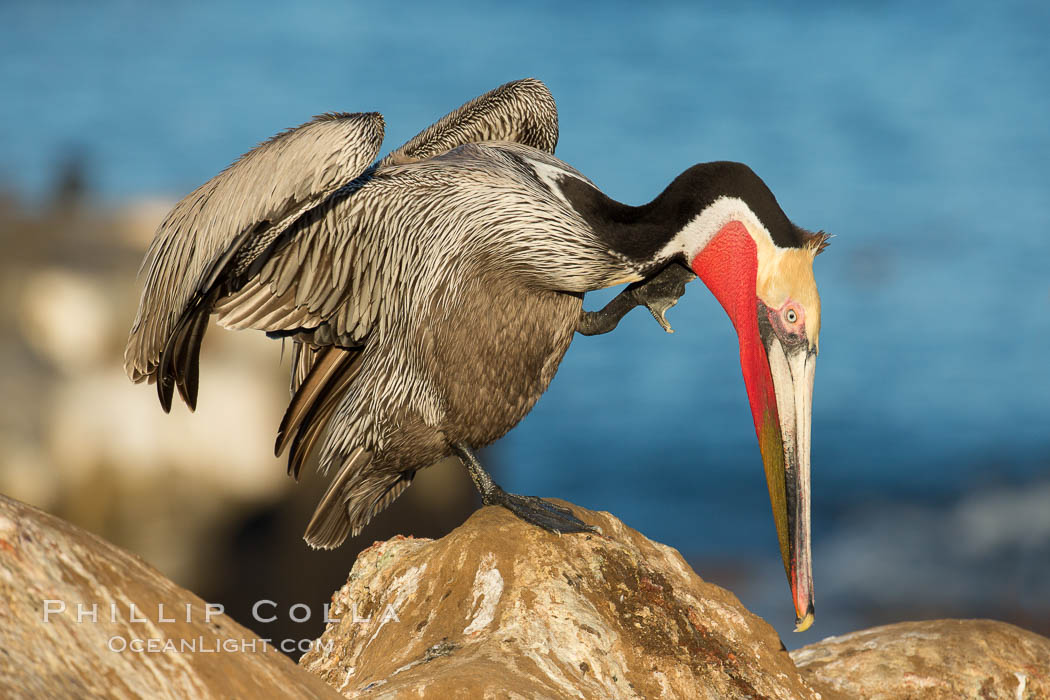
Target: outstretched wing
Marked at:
219, 230
331, 277
325, 284
521, 111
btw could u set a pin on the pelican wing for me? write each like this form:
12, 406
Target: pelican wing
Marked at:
279, 242
320, 283
521, 111
218, 233
324, 284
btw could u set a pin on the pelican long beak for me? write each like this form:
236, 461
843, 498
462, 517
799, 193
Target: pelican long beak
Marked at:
779, 383
779, 379
789, 486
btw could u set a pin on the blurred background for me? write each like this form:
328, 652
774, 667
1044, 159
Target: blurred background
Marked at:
916, 133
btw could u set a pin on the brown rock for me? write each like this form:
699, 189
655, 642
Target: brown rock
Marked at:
499, 608
932, 659
49, 567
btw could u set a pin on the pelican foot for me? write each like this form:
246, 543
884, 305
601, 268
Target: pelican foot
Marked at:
657, 293
663, 291
531, 509
538, 512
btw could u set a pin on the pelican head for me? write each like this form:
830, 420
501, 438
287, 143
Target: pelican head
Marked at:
760, 268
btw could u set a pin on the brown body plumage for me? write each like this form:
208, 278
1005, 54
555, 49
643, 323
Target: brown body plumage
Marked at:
430, 298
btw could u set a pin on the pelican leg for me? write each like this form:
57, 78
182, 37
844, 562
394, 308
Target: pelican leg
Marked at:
529, 508
658, 294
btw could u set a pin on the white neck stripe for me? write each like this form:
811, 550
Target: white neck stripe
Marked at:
696, 234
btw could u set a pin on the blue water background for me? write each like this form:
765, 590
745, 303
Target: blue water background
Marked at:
917, 133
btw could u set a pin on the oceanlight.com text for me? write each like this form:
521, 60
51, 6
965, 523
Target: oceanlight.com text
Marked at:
213, 645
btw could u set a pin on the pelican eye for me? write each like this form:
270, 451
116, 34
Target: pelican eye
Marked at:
791, 316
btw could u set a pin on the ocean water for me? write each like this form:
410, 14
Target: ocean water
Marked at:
917, 134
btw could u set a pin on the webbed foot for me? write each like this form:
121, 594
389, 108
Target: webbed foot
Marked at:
531, 509
537, 511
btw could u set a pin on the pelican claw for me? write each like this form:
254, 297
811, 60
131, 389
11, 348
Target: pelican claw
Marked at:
663, 291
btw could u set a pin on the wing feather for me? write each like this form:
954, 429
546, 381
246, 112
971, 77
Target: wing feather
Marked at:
330, 523
523, 111
222, 226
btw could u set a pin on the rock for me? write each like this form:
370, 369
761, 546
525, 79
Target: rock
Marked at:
499, 608
931, 660
50, 648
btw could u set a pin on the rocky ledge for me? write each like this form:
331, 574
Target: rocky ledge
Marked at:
501, 608
495, 609
498, 608
946, 659
82, 618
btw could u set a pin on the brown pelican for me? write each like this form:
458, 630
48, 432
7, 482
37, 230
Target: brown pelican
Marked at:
431, 295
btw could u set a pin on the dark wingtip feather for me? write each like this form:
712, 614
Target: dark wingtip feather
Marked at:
165, 391
165, 378
283, 434
179, 365
187, 368
302, 403
314, 403
297, 456
309, 433
313, 427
